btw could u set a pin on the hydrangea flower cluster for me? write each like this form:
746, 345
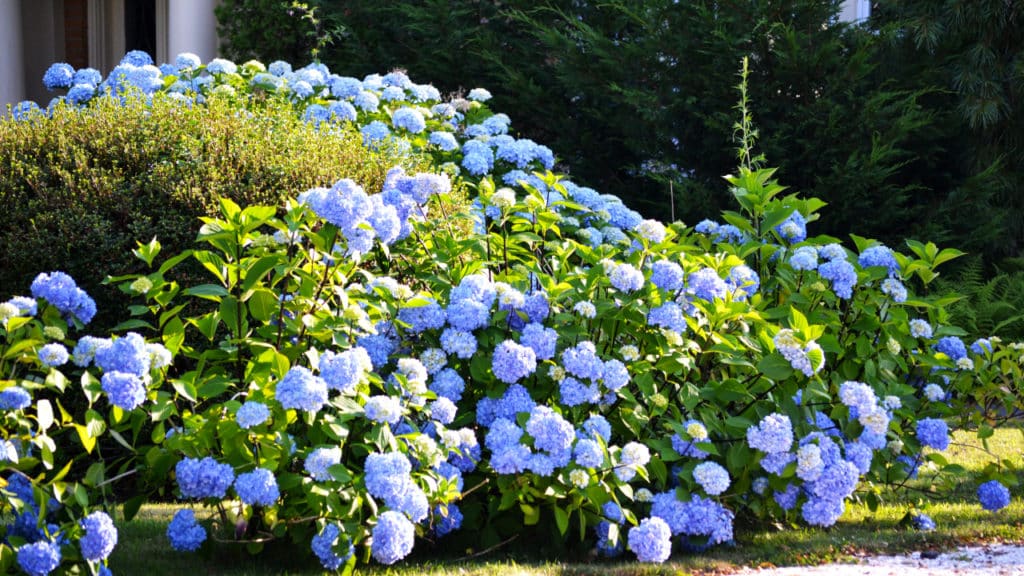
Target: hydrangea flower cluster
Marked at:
569, 361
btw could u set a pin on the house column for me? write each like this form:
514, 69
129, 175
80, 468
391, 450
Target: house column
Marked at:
192, 27
12, 74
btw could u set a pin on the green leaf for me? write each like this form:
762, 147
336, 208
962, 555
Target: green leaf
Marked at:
94, 423
207, 324
774, 366
531, 514
87, 439
147, 252
263, 304
562, 520
208, 291
258, 270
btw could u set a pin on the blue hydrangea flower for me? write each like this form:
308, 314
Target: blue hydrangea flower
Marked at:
920, 328
468, 315
632, 456
447, 520
476, 164
301, 390
759, 485
319, 460
688, 448
39, 558
137, 58
667, 275
512, 362
588, 453
822, 512
794, 228
100, 536
382, 408
410, 500
386, 474
922, 522
993, 495
551, 432
788, 497
582, 361
772, 435
933, 433
712, 477
479, 95
126, 354
443, 140
879, 256
572, 392
953, 347
858, 395
14, 398
448, 384
366, 101
374, 133
442, 410
743, 281
257, 488
184, 533
894, 289
860, 455
315, 114
842, 275
625, 278
982, 346
87, 76
378, 346
428, 316
341, 111
605, 545
187, 61
615, 376
651, 541
343, 371
81, 93
597, 427
706, 284
323, 546
804, 258
221, 66
85, 350
60, 290
252, 414
776, 463
343, 86
58, 75
409, 119
668, 315
124, 390
393, 537
204, 478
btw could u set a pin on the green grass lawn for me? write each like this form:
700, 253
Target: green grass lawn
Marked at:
143, 548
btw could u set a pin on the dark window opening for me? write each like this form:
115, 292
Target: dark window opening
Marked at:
140, 26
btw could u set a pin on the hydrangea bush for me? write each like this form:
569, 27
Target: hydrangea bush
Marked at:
366, 370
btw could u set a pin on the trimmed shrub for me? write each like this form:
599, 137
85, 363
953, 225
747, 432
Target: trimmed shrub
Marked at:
81, 186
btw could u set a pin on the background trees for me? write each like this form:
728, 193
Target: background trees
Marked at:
908, 125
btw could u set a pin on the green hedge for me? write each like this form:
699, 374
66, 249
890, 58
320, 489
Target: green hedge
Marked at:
80, 190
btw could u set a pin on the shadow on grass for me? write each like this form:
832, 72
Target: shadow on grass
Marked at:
143, 549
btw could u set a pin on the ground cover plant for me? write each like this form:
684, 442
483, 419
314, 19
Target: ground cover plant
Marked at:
364, 371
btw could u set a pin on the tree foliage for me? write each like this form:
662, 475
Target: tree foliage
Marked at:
637, 96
